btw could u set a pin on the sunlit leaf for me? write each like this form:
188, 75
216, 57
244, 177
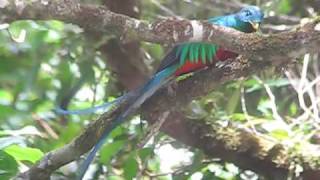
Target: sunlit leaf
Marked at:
5, 96
109, 150
24, 153
238, 117
145, 153
233, 101
6, 111
284, 6
130, 168
279, 134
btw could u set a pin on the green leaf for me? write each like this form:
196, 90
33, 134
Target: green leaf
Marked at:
8, 166
24, 153
284, 6
130, 167
5, 96
118, 131
109, 150
233, 101
69, 132
114, 177
238, 117
145, 153
52, 36
55, 25
280, 134
293, 109
6, 111
155, 50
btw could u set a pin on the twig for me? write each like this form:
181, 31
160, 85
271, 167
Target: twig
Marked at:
45, 126
275, 113
303, 82
153, 130
244, 109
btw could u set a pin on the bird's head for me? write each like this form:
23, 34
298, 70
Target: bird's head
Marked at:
252, 15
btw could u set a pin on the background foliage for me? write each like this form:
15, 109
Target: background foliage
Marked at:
46, 64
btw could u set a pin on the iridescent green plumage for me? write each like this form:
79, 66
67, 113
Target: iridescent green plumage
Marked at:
195, 52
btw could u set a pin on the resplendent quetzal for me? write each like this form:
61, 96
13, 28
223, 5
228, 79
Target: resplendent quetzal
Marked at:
183, 58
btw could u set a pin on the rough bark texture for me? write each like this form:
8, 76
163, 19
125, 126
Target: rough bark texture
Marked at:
247, 150
97, 18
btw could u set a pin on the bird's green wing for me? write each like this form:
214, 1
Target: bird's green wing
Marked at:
195, 52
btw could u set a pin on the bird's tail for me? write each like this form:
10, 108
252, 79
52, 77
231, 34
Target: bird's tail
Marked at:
105, 107
134, 102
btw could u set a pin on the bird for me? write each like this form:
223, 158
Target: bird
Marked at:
181, 59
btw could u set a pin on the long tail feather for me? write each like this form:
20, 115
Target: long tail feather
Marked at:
105, 106
156, 82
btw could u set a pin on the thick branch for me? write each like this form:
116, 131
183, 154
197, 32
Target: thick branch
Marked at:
165, 31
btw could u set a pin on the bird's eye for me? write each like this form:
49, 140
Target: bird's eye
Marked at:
248, 13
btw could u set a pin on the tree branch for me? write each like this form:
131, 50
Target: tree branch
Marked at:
250, 151
164, 31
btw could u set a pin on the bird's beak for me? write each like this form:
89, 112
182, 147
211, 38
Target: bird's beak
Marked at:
255, 25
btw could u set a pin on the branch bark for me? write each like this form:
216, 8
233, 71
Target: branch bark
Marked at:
247, 150
169, 31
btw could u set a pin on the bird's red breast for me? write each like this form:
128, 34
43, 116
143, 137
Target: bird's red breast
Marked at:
189, 66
